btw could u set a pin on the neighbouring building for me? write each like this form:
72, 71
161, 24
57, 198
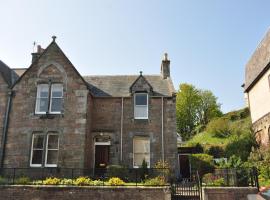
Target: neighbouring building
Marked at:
257, 90
52, 116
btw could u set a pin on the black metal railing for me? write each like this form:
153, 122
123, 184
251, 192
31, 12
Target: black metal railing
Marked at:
98, 176
231, 177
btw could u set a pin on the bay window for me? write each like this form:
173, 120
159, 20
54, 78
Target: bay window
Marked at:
141, 106
141, 151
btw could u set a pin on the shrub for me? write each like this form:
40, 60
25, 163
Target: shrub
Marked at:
66, 181
159, 180
22, 181
212, 180
115, 181
3, 181
244, 113
97, 182
117, 171
163, 168
215, 151
219, 127
144, 170
52, 181
241, 146
202, 162
82, 181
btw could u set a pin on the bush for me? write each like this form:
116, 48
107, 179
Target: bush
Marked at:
97, 182
82, 181
22, 181
117, 171
241, 146
3, 181
144, 170
219, 127
215, 151
66, 181
52, 181
211, 180
159, 180
202, 162
244, 113
115, 181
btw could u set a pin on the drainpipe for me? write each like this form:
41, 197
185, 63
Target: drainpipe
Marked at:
162, 129
121, 131
5, 128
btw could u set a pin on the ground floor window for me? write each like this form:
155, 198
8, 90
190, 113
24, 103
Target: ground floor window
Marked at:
44, 150
141, 151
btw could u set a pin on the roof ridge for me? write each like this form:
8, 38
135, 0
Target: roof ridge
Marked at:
120, 75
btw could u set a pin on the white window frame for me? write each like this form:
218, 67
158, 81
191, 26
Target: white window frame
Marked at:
46, 155
147, 105
32, 150
38, 98
50, 90
51, 97
133, 153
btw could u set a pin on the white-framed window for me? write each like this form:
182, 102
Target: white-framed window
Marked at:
44, 143
141, 106
52, 147
49, 98
37, 150
141, 151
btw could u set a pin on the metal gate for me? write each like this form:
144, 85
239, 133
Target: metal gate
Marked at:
187, 189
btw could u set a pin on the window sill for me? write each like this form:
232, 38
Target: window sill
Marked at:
49, 115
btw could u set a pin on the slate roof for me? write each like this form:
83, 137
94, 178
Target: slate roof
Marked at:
119, 85
9, 75
259, 63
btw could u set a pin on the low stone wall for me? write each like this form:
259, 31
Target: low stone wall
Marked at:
228, 193
83, 193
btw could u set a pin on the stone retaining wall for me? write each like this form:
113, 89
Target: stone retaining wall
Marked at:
228, 193
83, 193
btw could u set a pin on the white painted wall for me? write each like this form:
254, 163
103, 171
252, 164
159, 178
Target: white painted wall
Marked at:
259, 98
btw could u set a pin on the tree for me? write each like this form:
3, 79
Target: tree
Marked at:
187, 104
208, 108
194, 107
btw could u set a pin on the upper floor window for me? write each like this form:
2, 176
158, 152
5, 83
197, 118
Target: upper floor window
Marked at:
141, 106
44, 150
49, 98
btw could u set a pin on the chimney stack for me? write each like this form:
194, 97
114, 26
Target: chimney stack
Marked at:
35, 55
165, 67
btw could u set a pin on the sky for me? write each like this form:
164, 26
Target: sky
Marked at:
208, 41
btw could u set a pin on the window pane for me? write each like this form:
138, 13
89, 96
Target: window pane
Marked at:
141, 112
38, 141
56, 105
37, 157
138, 159
42, 104
52, 157
57, 90
53, 142
141, 99
43, 90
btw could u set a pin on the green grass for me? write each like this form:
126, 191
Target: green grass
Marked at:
239, 122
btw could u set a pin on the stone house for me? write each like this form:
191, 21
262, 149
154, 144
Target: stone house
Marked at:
257, 90
52, 116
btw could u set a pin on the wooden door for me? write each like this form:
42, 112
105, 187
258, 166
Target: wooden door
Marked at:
102, 156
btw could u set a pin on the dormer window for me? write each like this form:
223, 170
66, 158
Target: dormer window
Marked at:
49, 98
141, 106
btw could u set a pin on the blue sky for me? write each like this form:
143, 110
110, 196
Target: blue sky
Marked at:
209, 42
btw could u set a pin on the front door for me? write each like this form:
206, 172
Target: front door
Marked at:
102, 156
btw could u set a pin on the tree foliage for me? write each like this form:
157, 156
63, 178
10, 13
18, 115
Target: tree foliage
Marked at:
194, 107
